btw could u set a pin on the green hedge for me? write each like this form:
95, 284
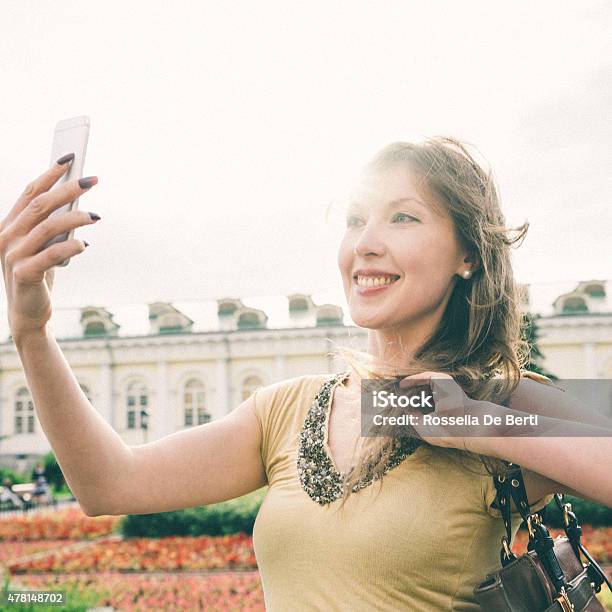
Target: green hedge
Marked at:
55, 476
238, 515
233, 516
53, 472
587, 513
14, 476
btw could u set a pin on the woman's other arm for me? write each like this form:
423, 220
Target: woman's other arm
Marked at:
575, 463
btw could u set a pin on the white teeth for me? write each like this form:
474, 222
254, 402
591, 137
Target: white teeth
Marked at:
374, 281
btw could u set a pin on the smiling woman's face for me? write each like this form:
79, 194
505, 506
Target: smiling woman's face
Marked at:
392, 227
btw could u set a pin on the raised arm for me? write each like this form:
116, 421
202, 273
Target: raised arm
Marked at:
209, 463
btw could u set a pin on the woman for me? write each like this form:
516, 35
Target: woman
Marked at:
406, 523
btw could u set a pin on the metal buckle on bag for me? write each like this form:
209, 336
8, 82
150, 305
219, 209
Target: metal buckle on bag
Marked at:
566, 508
537, 519
564, 602
507, 549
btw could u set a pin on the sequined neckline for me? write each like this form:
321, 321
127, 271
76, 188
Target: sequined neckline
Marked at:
316, 470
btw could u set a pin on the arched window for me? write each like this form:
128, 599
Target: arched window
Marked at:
137, 400
298, 304
193, 404
95, 328
24, 412
573, 305
595, 290
248, 320
250, 384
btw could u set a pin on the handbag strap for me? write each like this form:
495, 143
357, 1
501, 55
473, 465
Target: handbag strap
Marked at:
513, 486
502, 485
509, 487
540, 539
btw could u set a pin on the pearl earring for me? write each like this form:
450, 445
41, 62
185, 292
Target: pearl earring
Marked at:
467, 274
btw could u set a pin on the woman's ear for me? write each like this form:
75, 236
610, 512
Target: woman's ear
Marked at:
471, 262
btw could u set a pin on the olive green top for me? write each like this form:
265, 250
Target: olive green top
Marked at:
419, 542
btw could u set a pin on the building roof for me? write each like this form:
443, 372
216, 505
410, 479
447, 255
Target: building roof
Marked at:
279, 312
230, 313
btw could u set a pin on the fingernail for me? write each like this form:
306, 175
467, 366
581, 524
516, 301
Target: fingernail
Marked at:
87, 182
94, 216
65, 159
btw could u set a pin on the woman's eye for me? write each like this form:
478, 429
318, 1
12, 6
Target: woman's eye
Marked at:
404, 217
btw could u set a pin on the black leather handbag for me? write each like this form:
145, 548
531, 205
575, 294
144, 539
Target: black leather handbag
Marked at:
550, 576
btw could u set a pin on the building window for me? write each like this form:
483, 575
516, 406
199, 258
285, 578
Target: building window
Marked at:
95, 328
595, 290
137, 399
249, 320
194, 408
298, 304
24, 411
573, 305
250, 384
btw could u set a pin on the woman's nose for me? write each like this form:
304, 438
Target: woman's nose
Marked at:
369, 243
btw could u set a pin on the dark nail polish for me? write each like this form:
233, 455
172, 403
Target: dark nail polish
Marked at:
85, 243
94, 216
65, 159
87, 182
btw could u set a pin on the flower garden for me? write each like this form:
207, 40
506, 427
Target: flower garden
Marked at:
91, 559
65, 550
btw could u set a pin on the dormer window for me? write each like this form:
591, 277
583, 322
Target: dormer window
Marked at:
574, 305
595, 290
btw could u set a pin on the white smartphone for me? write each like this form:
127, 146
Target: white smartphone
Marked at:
70, 136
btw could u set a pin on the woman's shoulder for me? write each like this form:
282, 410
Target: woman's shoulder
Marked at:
534, 389
281, 406
531, 387
294, 383
290, 390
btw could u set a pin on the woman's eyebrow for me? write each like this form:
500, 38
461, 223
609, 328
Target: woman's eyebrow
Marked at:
355, 206
400, 201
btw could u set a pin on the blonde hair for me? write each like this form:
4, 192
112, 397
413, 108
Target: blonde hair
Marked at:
479, 335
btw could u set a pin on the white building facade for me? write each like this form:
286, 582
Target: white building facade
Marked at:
152, 385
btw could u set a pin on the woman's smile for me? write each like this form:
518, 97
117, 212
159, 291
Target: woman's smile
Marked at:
373, 285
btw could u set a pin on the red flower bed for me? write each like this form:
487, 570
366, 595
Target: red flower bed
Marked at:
9, 551
597, 540
69, 524
213, 552
172, 593
147, 554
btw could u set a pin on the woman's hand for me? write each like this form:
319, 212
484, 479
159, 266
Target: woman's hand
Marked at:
27, 268
449, 400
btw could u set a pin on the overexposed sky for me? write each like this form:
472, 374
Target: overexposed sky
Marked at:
221, 130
